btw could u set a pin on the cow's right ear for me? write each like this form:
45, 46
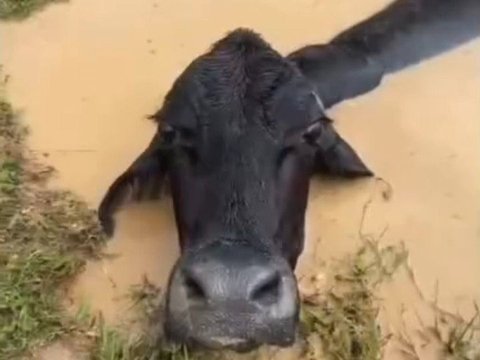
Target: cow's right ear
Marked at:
334, 156
143, 179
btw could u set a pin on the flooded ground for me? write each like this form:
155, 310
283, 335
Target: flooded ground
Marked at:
86, 74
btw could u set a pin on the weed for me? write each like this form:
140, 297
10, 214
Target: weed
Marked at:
450, 336
342, 322
115, 344
461, 339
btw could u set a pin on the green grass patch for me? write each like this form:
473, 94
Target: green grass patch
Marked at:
21, 9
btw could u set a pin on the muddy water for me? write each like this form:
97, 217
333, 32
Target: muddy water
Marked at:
85, 75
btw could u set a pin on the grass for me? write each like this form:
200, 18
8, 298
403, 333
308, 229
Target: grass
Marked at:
21, 9
142, 343
45, 237
113, 345
342, 322
454, 337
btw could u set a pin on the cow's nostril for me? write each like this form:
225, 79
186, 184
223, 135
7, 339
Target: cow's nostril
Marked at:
194, 289
267, 291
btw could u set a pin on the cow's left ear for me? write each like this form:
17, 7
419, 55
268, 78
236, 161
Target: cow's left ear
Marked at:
334, 156
143, 179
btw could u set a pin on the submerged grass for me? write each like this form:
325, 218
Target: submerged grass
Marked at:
45, 237
450, 335
341, 323
21, 9
143, 341
113, 345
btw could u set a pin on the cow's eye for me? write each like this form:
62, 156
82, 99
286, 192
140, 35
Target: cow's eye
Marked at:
169, 135
304, 141
305, 135
181, 141
313, 133
178, 137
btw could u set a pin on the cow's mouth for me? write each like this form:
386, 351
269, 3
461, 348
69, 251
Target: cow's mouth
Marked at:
227, 343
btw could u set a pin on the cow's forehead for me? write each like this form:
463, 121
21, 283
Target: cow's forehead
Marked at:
240, 84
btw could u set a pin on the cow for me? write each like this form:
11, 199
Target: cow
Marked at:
239, 136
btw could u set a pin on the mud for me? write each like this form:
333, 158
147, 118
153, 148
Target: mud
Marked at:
87, 73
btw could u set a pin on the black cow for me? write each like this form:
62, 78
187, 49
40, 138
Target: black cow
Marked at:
239, 135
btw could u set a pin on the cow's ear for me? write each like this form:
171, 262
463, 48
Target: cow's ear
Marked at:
334, 156
143, 179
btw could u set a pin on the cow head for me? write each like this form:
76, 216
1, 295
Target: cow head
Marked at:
239, 135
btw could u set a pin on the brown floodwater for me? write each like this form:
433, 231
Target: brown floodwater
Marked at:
87, 73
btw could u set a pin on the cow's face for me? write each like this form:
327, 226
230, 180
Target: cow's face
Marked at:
239, 135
